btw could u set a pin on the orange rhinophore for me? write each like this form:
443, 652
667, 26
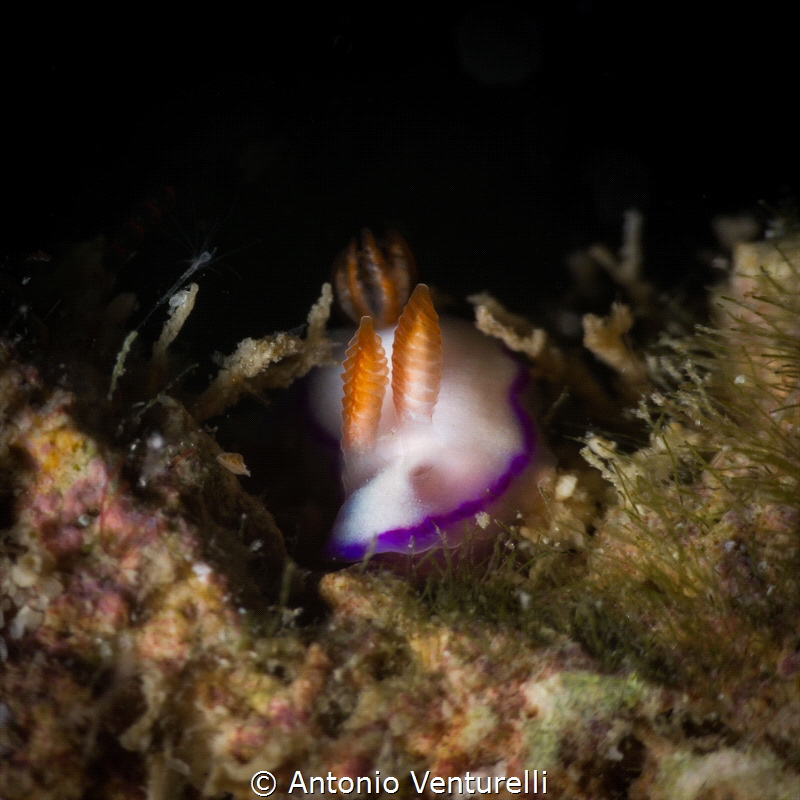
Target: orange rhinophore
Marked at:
417, 358
365, 377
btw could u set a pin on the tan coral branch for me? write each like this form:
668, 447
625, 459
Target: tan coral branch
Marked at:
274, 361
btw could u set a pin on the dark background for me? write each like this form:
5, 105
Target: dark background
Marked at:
496, 138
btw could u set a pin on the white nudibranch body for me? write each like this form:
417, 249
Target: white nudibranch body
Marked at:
427, 450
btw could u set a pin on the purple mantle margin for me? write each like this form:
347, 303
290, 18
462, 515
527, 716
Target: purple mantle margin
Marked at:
429, 533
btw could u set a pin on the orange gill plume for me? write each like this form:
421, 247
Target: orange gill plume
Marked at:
375, 282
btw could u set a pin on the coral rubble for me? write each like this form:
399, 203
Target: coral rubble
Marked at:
634, 637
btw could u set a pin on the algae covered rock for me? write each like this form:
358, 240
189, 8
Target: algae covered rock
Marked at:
634, 637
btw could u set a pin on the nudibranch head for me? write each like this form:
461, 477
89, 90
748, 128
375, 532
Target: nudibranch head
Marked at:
432, 427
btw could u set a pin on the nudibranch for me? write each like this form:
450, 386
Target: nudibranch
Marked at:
429, 413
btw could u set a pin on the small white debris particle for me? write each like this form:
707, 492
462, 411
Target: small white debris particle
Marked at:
614, 754
178, 299
201, 570
739, 380
482, 519
566, 486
